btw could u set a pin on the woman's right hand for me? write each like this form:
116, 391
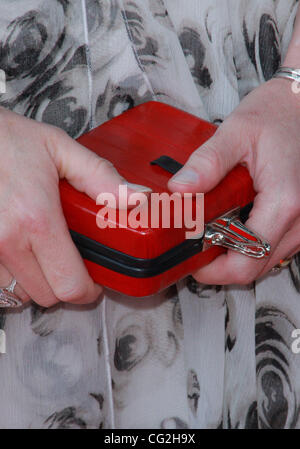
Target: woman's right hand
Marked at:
35, 245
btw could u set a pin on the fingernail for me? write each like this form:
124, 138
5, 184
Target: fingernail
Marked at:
137, 187
186, 176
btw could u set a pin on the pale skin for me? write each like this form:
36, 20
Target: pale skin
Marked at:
262, 133
35, 245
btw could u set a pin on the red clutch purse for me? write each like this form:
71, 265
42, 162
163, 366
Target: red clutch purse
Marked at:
147, 144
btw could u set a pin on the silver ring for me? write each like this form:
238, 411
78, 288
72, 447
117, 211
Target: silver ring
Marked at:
288, 73
7, 296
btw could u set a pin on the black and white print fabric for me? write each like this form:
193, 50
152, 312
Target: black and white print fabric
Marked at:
194, 356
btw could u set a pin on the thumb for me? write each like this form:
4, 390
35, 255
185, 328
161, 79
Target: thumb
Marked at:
208, 165
86, 171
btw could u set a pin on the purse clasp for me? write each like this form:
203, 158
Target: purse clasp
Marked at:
228, 231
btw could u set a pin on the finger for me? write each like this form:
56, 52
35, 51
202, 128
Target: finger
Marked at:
287, 247
61, 263
208, 165
269, 222
6, 278
29, 275
86, 171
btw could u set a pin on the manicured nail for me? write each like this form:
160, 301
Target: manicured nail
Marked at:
137, 187
186, 176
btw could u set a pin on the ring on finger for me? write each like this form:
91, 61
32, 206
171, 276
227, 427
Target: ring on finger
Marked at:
283, 263
7, 296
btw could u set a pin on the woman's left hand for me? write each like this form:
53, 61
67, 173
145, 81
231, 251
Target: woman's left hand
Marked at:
263, 132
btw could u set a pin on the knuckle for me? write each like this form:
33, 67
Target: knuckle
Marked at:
56, 132
35, 221
244, 277
7, 236
46, 303
208, 157
103, 165
23, 220
78, 293
292, 205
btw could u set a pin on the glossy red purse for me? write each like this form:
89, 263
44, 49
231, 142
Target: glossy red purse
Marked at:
147, 144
